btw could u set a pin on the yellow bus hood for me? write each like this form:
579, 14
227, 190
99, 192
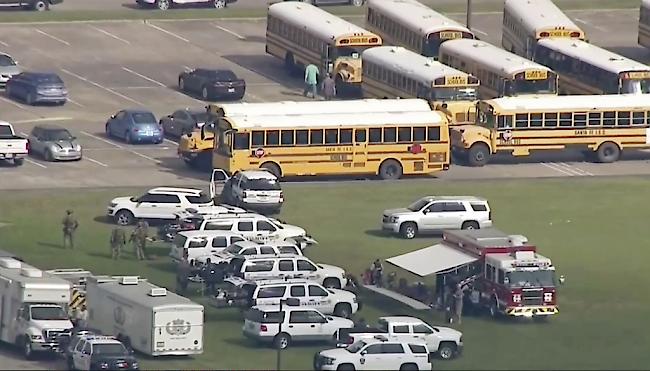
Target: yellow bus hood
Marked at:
466, 135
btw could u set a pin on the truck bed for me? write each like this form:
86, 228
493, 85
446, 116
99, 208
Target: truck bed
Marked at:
343, 335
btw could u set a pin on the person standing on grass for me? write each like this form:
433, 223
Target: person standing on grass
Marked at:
311, 80
139, 239
458, 303
70, 225
118, 241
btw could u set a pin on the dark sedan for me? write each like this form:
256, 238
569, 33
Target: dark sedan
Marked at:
212, 84
183, 121
37, 87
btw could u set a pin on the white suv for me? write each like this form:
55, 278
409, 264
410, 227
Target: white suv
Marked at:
298, 324
248, 249
378, 353
437, 213
254, 189
193, 245
287, 267
162, 203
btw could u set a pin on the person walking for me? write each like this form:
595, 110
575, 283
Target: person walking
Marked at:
183, 273
118, 241
377, 273
329, 87
70, 226
139, 239
311, 80
458, 303
209, 275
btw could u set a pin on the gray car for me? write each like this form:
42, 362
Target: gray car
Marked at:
183, 121
8, 68
54, 143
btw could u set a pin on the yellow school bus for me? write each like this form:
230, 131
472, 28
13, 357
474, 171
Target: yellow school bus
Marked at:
644, 24
302, 34
502, 73
588, 69
599, 125
525, 22
381, 143
393, 71
413, 25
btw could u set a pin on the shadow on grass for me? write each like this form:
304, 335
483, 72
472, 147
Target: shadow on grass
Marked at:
164, 266
378, 233
50, 244
104, 219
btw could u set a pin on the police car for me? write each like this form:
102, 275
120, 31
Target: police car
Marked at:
96, 352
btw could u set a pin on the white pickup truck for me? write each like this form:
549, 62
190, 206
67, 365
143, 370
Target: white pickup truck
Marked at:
12, 147
446, 342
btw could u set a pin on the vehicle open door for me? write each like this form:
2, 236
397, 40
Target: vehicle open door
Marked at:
217, 181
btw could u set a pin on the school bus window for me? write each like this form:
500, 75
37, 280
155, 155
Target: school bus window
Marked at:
535, 120
433, 134
550, 120
316, 137
521, 120
286, 137
623, 119
404, 135
565, 119
609, 118
331, 136
638, 118
241, 141
594, 118
390, 135
419, 134
374, 135
360, 135
258, 138
579, 119
302, 137
272, 138
346, 136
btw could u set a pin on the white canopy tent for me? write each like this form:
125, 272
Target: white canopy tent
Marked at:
431, 260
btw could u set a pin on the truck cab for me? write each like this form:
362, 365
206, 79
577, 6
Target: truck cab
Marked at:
43, 327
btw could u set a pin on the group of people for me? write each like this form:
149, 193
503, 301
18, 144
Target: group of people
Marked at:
312, 75
210, 273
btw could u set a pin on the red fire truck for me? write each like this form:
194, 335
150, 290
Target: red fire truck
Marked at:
507, 275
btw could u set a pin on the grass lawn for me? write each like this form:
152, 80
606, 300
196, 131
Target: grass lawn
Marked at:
591, 228
233, 11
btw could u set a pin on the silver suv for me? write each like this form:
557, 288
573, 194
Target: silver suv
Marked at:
437, 213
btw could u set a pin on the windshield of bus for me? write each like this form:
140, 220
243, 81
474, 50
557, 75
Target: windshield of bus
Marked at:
542, 278
349, 51
485, 116
452, 94
521, 86
635, 86
48, 313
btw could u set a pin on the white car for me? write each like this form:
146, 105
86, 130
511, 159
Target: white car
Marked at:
298, 324
193, 245
162, 203
378, 353
254, 189
248, 249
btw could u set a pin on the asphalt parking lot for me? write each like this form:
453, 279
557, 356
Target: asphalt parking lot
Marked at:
109, 66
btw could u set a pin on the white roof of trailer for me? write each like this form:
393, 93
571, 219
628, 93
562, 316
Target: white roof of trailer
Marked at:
432, 259
139, 293
407, 62
537, 15
572, 102
594, 55
343, 106
337, 120
415, 16
314, 20
17, 271
494, 58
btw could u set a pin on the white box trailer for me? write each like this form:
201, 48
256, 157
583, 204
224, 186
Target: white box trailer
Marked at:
144, 316
33, 305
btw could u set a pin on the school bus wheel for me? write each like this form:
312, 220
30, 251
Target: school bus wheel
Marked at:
478, 154
608, 152
390, 169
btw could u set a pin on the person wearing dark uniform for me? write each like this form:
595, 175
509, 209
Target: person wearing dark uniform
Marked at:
118, 241
139, 238
70, 226
458, 303
183, 273
377, 272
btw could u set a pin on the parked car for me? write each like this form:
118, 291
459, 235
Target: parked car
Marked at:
190, 245
249, 250
183, 121
254, 189
96, 352
212, 84
8, 68
437, 213
134, 126
54, 143
166, 4
12, 147
38, 5
37, 87
332, 2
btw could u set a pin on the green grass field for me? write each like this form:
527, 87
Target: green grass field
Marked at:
593, 229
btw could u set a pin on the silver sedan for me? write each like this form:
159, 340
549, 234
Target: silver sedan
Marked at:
54, 143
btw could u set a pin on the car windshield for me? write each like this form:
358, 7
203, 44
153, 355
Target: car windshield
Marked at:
109, 349
276, 223
223, 75
56, 135
418, 205
48, 313
6, 61
143, 118
263, 185
531, 278
233, 249
355, 347
200, 116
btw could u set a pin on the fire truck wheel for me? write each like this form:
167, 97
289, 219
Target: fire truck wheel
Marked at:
408, 230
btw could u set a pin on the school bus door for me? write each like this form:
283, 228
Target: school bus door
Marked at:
360, 148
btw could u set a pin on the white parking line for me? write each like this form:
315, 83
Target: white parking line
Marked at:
170, 141
566, 169
240, 37
52, 37
145, 156
41, 119
479, 31
110, 34
101, 139
167, 32
145, 77
589, 24
36, 163
14, 103
102, 87
23, 133
4, 44
187, 68
75, 102
95, 161
575, 169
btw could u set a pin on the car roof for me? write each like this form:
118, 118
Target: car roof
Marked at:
49, 127
100, 339
220, 217
186, 191
258, 174
285, 308
137, 110
289, 281
208, 234
278, 257
214, 70
453, 198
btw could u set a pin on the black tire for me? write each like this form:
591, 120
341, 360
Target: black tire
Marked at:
41, 6
343, 310
409, 367
390, 170
470, 225
357, 2
345, 367
273, 168
219, 4
408, 230
181, 84
124, 217
19, 161
608, 152
107, 128
332, 283
478, 155
127, 137
163, 4
205, 93
27, 350
446, 350
282, 341
48, 156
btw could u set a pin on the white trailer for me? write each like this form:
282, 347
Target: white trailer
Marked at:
144, 316
33, 305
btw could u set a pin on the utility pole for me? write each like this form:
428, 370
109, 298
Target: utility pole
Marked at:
468, 19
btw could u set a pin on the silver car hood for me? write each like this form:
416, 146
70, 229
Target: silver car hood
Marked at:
10, 70
63, 144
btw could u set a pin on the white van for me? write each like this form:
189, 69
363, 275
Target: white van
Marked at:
255, 189
189, 245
